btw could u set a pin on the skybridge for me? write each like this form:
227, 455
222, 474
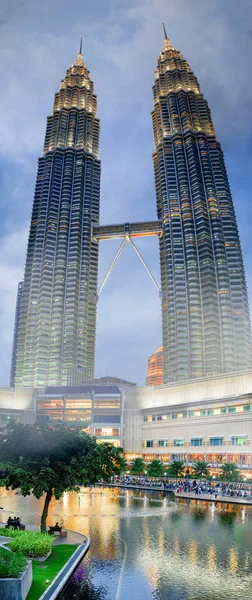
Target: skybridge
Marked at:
109, 232
127, 231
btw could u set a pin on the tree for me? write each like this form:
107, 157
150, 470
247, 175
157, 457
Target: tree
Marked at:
53, 460
230, 472
155, 469
176, 469
137, 466
200, 469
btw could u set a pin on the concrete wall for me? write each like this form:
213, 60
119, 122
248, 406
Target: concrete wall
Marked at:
223, 391
186, 392
18, 398
16, 589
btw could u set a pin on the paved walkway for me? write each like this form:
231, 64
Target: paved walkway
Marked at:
151, 488
211, 498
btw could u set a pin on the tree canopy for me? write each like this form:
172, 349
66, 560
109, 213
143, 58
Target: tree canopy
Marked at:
200, 469
176, 469
137, 466
53, 460
230, 472
155, 468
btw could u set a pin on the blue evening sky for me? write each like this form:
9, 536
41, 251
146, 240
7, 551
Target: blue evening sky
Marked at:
121, 43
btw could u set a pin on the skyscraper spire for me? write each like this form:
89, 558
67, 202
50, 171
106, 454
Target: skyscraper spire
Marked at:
80, 52
165, 34
167, 43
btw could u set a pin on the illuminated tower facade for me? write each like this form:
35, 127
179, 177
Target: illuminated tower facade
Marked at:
15, 334
155, 368
57, 322
205, 314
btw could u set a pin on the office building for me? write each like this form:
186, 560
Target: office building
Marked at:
155, 368
205, 314
15, 334
57, 325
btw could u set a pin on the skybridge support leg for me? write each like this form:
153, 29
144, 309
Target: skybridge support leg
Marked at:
114, 261
126, 239
144, 264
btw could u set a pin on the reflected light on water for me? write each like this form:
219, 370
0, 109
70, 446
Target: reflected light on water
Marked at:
156, 550
161, 540
193, 549
176, 546
233, 560
211, 556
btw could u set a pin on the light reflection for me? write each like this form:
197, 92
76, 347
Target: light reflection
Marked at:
163, 551
193, 548
176, 546
146, 534
153, 576
233, 560
246, 562
161, 540
211, 556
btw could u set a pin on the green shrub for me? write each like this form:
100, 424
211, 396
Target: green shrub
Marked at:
31, 543
11, 565
10, 532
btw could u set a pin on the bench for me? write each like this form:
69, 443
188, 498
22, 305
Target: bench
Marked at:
57, 530
13, 524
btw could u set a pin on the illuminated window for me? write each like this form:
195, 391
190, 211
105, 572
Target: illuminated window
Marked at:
196, 442
149, 443
216, 441
178, 442
239, 440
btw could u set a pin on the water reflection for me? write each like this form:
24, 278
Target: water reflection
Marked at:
145, 548
211, 557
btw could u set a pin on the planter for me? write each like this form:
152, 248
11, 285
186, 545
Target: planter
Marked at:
40, 559
17, 589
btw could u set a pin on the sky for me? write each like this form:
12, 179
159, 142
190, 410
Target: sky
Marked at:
121, 43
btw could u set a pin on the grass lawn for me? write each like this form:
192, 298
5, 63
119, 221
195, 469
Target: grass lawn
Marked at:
49, 569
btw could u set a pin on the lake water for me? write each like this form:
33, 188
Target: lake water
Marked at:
146, 546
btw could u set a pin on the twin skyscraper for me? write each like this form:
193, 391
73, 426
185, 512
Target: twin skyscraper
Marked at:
205, 312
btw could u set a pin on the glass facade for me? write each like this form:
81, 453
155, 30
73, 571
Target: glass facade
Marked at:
57, 324
15, 334
155, 368
97, 410
205, 314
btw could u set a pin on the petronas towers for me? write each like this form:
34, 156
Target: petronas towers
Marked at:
58, 314
206, 325
205, 314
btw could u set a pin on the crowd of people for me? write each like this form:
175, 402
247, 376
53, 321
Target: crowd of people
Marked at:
233, 490
215, 489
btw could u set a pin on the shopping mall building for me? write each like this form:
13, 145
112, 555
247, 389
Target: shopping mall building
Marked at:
204, 419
